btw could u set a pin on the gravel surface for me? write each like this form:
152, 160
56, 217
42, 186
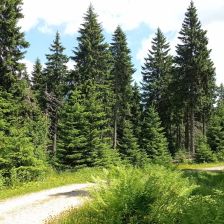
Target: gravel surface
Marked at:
217, 168
34, 208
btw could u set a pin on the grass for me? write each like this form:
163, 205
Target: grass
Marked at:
185, 166
154, 195
52, 180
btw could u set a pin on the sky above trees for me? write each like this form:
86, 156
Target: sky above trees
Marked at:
139, 19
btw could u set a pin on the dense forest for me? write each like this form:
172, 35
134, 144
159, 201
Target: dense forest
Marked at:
94, 114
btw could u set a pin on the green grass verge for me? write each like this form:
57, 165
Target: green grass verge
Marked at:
198, 166
52, 180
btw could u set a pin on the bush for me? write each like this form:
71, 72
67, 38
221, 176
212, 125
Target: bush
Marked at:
26, 174
135, 196
204, 209
203, 151
181, 156
220, 155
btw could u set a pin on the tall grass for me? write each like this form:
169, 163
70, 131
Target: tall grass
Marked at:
153, 195
136, 196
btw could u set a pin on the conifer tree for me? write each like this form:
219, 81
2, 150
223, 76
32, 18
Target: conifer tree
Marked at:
55, 75
12, 43
129, 148
92, 69
136, 111
122, 71
23, 128
72, 141
157, 73
216, 124
156, 85
85, 142
153, 140
92, 56
23, 133
38, 83
195, 75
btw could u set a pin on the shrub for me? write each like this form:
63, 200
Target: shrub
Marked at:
203, 151
135, 196
181, 156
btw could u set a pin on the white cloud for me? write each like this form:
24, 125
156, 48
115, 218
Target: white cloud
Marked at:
45, 29
70, 65
168, 15
29, 65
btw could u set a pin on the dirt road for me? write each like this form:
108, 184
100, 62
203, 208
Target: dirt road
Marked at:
34, 208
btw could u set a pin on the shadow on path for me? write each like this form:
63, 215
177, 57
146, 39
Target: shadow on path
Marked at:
75, 193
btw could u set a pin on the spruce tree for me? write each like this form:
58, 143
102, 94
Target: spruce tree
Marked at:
122, 71
12, 43
129, 148
157, 73
55, 76
92, 57
195, 75
216, 126
23, 132
85, 142
38, 83
72, 129
93, 62
136, 111
153, 140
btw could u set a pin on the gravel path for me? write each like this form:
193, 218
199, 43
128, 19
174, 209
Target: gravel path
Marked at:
217, 168
34, 208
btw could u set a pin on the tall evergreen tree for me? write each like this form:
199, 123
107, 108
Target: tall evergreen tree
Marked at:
122, 71
195, 75
38, 83
85, 142
156, 73
153, 140
92, 69
91, 56
156, 85
216, 123
12, 43
136, 111
93, 63
55, 75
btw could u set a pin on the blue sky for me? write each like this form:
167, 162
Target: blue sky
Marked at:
138, 18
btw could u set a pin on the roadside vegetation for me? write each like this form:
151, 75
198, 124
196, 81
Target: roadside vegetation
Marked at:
93, 117
50, 180
153, 194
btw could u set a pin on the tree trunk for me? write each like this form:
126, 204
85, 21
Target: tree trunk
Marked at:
54, 143
192, 133
204, 125
115, 129
187, 137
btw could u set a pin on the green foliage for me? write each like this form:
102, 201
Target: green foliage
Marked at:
156, 73
129, 195
55, 73
194, 77
23, 132
153, 141
203, 151
85, 142
136, 111
216, 128
12, 43
181, 156
129, 148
